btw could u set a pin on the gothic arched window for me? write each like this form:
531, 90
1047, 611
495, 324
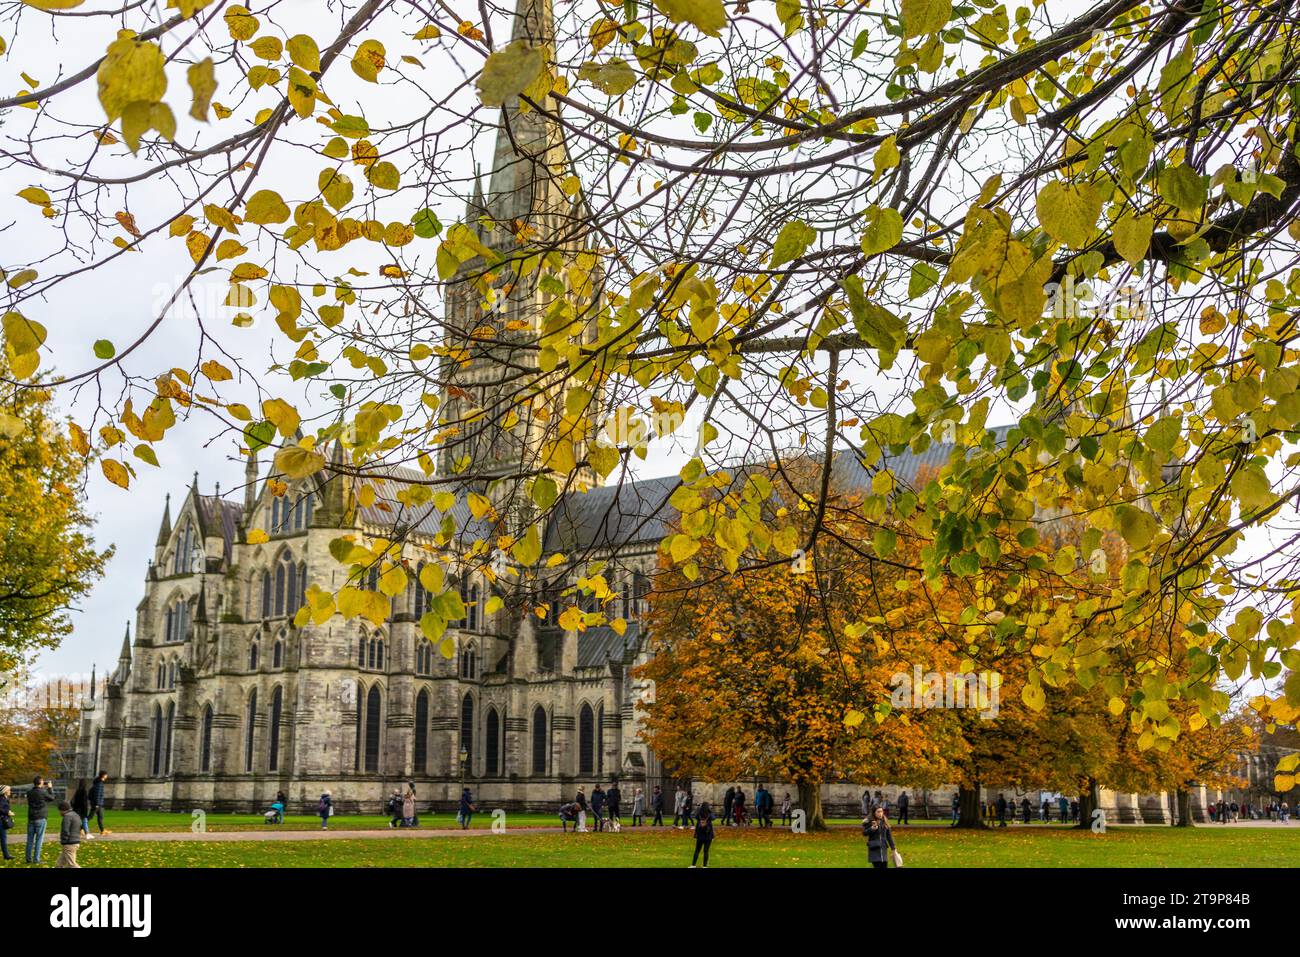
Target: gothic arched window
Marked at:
600, 739
285, 583
467, 730
420, 759
586, 740
205, 740
277, 653
361, 651
252, 656
492, 746
167, 747
374, 706
424, 657
157, 734
541, 743
250, 727
266, 594
273, 749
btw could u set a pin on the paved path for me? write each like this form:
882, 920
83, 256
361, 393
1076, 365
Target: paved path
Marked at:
273, 834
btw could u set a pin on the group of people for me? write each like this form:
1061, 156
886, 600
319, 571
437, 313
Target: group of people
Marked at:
603, 809
75, 815
1227, 812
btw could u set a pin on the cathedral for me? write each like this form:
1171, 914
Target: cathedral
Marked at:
219, 701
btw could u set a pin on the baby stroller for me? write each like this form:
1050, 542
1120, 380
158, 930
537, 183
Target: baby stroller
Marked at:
275, 815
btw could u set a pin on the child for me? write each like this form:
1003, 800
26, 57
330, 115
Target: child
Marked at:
69, 837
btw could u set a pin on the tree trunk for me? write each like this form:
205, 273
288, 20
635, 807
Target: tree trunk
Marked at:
1089, 801
810, 800
1183, 808
969, 813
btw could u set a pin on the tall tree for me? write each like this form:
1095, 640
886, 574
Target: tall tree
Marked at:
865, 227
48, 558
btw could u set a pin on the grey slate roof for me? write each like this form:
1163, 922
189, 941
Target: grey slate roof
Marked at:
219, 517
423, 519
639, 513
602, 644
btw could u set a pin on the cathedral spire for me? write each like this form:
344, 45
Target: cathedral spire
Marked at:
124, 657
165, 530
523, 191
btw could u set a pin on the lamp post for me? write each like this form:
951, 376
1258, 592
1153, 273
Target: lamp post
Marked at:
464, 758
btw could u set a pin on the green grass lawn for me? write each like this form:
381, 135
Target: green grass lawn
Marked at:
665, 847
123, 822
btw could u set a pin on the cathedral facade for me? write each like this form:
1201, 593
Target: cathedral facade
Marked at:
219, 700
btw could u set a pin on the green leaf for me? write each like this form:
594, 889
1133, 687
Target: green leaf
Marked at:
104, 349
509, 71
1138, 526
922, 17
1183, 187
884, 230
1068, 213
792, 242
708, 15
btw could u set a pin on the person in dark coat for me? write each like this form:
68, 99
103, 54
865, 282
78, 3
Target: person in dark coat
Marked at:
1024, 809
703, 833
956, 808
880, 838
39, 798
1002, 810
81, 805
6, 821
657, 805
902, 808
728, 802
739, 807
465, 809
324, 809
598, 798
613, 797
97, 800
569, 813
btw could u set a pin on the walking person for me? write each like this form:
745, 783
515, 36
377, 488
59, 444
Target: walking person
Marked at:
956, 808
902, 808
408, 806
1063, 804
613, 798
598, 807
1002, 810
6, 821
580, 799
325, 809
1044, 811
638, 807
80, 803
97, 800
739, 808
880, 839
787, 811
465, 809
703, 833
866, 803
69, 837
39, 798
688, 809
394, 807
679, 805
728, 805
761, 797
657, 805
1024, 809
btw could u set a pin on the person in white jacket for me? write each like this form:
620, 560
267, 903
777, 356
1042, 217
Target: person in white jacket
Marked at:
679, 807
